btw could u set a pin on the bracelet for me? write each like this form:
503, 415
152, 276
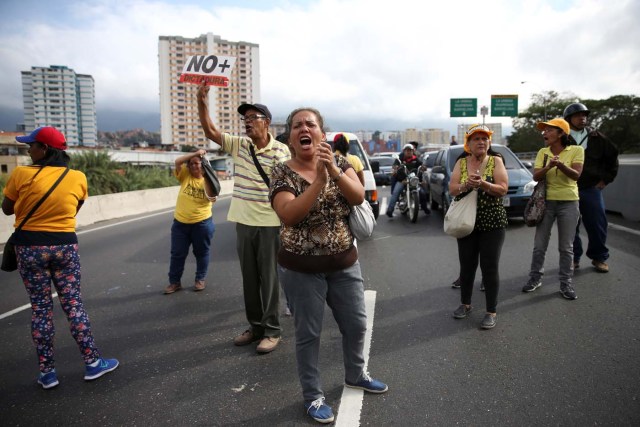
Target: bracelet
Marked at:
337, 177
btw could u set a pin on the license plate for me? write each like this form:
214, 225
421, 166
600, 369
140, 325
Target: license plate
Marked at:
506, 201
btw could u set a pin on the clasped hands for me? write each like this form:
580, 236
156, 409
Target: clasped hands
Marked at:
326, 166
474, 181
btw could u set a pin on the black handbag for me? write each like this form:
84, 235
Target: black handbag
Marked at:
537, 204
9, 256
211, 176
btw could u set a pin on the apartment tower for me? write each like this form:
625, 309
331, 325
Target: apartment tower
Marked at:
57, 96
179, 122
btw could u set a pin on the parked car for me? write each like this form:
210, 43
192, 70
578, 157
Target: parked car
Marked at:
393, 154
383, 176
370, 188
521, 181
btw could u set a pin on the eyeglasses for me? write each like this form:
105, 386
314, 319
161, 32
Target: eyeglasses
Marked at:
252, 117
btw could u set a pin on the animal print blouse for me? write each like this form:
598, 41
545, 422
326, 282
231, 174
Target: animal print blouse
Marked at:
490, 213
322, 242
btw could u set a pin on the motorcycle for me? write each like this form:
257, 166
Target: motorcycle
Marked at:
409, 200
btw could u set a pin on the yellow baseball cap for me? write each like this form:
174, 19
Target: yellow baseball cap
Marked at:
475, 129
558, 123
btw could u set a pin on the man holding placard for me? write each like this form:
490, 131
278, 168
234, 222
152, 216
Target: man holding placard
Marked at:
257, 225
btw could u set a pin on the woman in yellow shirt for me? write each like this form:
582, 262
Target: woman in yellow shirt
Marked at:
560, 164
47, 249
192, 222
341, 147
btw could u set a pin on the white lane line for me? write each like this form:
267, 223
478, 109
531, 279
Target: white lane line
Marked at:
621, 228
21, 308
55, 295
351, 400
124, 222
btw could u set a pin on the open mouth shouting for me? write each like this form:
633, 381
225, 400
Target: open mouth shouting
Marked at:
305, 141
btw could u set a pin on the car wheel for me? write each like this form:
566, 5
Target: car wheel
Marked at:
434, 204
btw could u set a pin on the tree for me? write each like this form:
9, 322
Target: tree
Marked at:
618, 117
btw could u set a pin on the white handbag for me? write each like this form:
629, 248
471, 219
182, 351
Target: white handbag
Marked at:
461, 216
362, 221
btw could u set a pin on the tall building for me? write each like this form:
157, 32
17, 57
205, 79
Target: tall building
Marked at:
496, 128
57, 96
179, 122
429, 138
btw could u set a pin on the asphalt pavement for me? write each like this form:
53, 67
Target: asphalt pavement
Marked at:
548, 361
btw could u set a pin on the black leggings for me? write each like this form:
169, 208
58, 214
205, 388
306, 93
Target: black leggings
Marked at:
485, 246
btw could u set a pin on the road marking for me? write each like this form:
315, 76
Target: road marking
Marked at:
55, 295
351, 400
19, 309
124, 222
383, 205
621, 228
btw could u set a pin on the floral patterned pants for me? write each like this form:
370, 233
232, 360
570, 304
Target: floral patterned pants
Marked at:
40, 266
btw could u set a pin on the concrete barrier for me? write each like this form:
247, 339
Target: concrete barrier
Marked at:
119, 205
621, 195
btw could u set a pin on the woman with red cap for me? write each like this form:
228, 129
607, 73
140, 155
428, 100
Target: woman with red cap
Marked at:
47, 248
560, 164
481, 169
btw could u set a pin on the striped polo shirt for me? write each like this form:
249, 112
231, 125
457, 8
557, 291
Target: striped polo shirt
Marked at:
250, 200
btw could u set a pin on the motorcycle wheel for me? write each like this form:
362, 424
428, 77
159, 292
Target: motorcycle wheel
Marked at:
414, 206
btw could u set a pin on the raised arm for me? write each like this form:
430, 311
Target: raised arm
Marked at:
184, 159
209, 128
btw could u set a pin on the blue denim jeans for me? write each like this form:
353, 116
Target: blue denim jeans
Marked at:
595, 222
567, 213
399, 188
343, 292
199, 236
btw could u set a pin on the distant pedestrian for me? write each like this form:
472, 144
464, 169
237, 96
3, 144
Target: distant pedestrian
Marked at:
599, 170
341, 147
481, 169
560, 165
453, 141
257, 225
318, 263
47, 249
192, 222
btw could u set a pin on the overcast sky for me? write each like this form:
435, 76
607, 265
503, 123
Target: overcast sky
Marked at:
373, 64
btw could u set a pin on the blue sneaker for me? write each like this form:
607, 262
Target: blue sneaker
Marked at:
104, 366
48, 380
369, 384
319, 411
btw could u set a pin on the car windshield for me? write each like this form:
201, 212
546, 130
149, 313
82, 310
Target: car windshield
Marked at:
383, 161
510, 160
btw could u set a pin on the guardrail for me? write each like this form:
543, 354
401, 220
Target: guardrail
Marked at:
119, 205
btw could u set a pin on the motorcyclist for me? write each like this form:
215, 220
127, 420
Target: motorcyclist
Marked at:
411, 162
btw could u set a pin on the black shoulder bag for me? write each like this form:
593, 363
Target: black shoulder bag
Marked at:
257, 163
211, 176
9, 257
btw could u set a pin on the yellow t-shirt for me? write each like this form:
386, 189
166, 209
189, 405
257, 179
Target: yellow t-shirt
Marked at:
355, 162
192, 205
58, 212
559, 185
250, 201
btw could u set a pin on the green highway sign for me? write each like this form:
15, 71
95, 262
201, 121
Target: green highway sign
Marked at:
464, 107
504, 105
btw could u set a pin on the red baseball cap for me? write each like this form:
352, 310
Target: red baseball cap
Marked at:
47, 135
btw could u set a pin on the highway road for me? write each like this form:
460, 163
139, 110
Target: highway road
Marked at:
548, 361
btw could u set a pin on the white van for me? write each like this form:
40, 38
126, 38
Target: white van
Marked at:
370, 189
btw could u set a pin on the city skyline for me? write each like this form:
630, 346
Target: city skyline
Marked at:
363, 64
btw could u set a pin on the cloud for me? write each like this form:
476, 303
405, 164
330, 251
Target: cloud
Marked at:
355, 60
